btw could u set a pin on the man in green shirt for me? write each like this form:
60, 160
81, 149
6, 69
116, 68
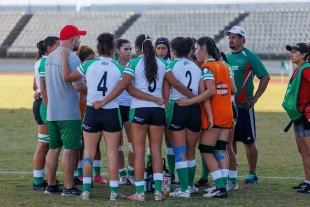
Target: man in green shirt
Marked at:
246, 65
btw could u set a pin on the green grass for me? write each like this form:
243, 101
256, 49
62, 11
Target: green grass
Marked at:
279, 164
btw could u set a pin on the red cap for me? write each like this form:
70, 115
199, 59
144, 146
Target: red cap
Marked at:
70, 31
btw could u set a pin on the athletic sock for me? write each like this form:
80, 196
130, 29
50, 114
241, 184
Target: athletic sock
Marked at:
182, 170
114, 186
76, 174
191, 172
225, 175
97, 167
87, 183
158, 180
233, 177
139, 186
122, 172
38, 176
80, 168
218, 179
205, 169
131, 171
170, 160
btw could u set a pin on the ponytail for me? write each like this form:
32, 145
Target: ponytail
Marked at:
40, 46
150, 64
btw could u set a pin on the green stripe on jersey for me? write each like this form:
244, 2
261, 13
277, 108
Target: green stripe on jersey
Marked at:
85, 65
131, 66
207, 74
42, 67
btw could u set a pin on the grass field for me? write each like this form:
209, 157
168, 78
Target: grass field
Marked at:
279, 164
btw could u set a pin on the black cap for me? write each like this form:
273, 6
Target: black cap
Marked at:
165, 41
303, 48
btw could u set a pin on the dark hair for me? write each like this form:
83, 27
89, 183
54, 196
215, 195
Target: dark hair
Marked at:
106, 44
223, 55
192, 52
164, 41
182, 46
84, 51
212, 50
144, 42
240, 36
43, 44
305, 47
119, 43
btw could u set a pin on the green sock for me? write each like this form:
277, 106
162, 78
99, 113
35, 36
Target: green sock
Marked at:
218, 179
158, 181
80, 168
233, 176
87, 183
205, 169
122, 172
225, 175
139, 186
171, 161
191, 172
114, 186
38, 176
131, 171
97, 170
182, 170
97, 167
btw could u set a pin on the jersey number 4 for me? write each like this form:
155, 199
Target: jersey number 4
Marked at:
102, 86
188, 73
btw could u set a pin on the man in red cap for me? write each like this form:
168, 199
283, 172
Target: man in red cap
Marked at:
63, 113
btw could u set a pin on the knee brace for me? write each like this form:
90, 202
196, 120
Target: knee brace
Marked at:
179, 153
206, 149
130, 147
220, 147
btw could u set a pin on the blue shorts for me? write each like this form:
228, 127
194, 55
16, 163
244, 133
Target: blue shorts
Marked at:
245, 130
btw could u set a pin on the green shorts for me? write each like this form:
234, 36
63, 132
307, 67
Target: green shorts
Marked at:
43, 111
66, 134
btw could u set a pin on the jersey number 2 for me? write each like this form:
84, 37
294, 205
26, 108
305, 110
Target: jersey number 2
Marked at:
188, 73
102, 86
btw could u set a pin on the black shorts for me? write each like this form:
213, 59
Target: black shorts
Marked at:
302, 127
124, 113
36, 111
148, 115
181, 117
108, 120
245, 130
235, 111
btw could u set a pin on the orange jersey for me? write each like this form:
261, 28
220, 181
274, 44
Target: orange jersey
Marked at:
82, 105
221, 100
203, 117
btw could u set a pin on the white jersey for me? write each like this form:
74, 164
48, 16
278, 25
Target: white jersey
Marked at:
136, 68
188, 73
102, 76
124, 98
37, 73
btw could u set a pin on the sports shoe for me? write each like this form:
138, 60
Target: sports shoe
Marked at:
114, 196
201, 182
131, 179
193, 190
123, 180
231, 186
85, 195
179, 194
100, 179
251, 179
217, 193
74, 191
77, 181
306, 190
137, 197
301, 186
159, 196
58, 183
41, 186
208, 190
51, 189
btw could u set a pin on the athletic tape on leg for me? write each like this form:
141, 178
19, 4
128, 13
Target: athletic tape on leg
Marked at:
179, 153
87, 159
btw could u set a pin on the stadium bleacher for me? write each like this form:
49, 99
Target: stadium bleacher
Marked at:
8, 20
269, 30
192, 23
44, 24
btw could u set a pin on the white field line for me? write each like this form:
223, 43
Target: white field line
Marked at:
198, 176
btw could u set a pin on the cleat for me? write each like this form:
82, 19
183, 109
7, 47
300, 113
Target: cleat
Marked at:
159, 196
217, 193
52, 189
41, 186
201, 182
114, 196
100, 179
251, 179
85, 195
137, 197
193, 190
301, 186
130, 179
231, 186
123, 180
74, 191
208, 190
179, 194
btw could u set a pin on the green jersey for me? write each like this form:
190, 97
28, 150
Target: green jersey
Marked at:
245, 65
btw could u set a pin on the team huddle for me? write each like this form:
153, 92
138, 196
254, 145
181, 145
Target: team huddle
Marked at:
184, 90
